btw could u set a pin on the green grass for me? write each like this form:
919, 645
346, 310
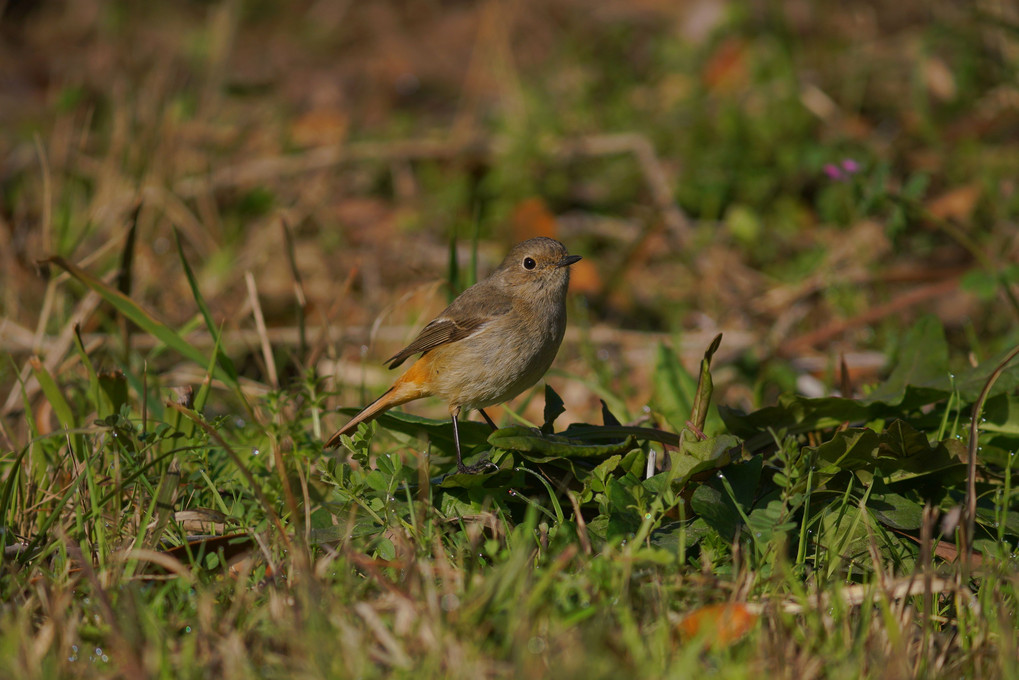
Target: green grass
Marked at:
166, 506
566, 559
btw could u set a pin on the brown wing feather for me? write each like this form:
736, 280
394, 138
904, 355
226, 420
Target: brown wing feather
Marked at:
468, 313
438, 332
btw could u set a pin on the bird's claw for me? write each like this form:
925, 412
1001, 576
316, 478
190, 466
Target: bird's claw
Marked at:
477, 468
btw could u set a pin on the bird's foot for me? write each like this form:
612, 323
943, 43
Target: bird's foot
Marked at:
477, 468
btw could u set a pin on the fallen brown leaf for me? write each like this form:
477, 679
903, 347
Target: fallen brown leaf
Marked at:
721, 624
956, 204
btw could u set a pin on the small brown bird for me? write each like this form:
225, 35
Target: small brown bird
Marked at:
493, 342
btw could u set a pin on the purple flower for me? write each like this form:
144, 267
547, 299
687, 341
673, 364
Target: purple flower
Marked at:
834, 172
843, 171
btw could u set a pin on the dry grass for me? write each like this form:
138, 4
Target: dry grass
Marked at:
315, 161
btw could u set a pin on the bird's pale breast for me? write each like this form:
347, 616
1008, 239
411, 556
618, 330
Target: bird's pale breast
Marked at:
498, 362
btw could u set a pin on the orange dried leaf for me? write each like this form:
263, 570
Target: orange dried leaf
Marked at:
720, 624
726, 69
939, 79
956, 204
319, 128
531, 218
584, 278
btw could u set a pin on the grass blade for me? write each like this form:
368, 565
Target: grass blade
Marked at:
144, 320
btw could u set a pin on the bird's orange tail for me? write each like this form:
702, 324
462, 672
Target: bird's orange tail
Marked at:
407, 388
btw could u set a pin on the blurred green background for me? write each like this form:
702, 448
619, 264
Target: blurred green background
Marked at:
806, 176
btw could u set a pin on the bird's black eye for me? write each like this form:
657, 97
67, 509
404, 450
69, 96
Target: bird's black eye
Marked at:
529, 263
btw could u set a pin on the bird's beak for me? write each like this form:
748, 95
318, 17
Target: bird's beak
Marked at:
568, 260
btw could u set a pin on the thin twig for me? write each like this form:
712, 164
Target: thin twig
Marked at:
892, 307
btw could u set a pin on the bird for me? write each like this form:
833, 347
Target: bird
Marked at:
495, 340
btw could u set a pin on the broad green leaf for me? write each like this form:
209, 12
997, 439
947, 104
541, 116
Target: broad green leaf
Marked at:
677, 537
384, 549
921, 362
717, 511
377, 480
796, 414
598, 479
699, 456
991, 519
1000, 452
607, 418
895, 510
553, 409
769, 518
744, 478
112, 392
598, 528
674, 388
904, 453
592, 433
542, 448
972, 381
438, 432
1001, 415
842, 533
492, 478
901, 440
634, 464
849, 449
454, 503
621, 508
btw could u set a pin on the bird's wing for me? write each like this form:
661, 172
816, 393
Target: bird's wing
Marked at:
462, 319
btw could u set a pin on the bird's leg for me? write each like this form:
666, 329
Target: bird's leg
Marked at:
460, 467
488, 420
